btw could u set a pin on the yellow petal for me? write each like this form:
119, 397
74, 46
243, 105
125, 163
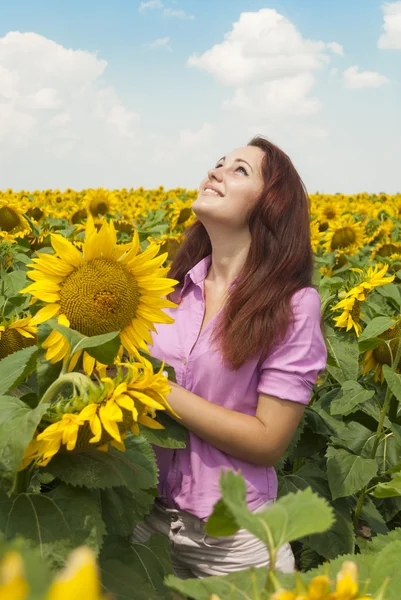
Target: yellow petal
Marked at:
89, 364
45, 313
151, 423
66, 250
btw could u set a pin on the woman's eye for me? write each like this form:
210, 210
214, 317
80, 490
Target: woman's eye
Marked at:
244, 170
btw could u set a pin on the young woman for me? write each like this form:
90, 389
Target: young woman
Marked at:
247, 348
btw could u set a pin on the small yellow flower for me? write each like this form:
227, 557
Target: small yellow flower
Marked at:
13, 585
79, 580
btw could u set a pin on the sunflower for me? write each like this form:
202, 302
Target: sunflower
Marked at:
10, 217
351, 314
16, 335
99, 202
315, 235
386, 249
320, 587
181, 214
169, 242
107, 412
374, 359
352, 300
343, 233
105, 288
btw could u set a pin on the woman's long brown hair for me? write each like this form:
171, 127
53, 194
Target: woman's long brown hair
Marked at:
280, 262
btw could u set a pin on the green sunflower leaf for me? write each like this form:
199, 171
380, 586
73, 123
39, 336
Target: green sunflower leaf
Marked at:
16, 367
286, 520
348, 473
56, 522
352, 395
18, 423
136, 570
389, 488
134, 469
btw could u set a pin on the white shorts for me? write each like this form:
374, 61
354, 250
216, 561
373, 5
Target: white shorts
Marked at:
196, 554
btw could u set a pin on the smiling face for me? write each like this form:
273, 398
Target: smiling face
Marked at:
231, 188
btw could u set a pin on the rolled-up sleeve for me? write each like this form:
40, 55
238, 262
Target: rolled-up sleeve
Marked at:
292, 367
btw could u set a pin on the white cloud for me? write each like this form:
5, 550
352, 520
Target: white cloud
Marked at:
391, 38
54, 105
179, 14
270, 64
262, 45
159, 43
198, 144
45, 98
336, 48
152, 4
280, 97
364, 79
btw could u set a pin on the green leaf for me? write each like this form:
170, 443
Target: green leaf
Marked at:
221, 520
381, 541
134, 469
388, 488
56, 522
173, 435
373, 329
373, 517
102, 347
286, 520
14, 282
353, 394
339, 539
18, 423
355, 437
344, 356
390, 291
348, 473
239, 585
393, 380
46, 373
136, 570
16, 367
122, 509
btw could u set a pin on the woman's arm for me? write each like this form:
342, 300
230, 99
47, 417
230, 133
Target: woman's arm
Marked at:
260, 440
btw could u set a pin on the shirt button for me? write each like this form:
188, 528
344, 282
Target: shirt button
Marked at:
184, 361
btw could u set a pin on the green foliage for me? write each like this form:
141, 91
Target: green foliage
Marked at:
286, 520
56, 522
173, 435
134, 469
136, 570
18, 423
16, 367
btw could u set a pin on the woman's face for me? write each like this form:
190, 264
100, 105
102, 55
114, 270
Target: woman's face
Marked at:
231, 188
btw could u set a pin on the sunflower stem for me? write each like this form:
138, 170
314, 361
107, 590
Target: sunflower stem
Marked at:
379, 431
21, 481
82, 382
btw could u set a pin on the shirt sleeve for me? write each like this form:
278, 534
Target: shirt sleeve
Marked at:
292, 367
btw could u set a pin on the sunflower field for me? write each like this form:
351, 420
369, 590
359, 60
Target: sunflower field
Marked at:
83, 283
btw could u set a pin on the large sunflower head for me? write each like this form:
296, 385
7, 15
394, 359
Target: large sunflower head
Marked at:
16, 335
106, 287
386, 249
102, 413
374, 359
344, 233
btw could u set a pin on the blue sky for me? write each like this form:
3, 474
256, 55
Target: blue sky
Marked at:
130, 93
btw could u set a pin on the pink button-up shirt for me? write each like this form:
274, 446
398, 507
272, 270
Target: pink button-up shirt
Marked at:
189, 478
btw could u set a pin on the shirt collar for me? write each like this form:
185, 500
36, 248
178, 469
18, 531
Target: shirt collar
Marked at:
198, 272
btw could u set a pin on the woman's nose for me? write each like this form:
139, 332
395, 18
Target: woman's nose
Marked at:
215, 173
